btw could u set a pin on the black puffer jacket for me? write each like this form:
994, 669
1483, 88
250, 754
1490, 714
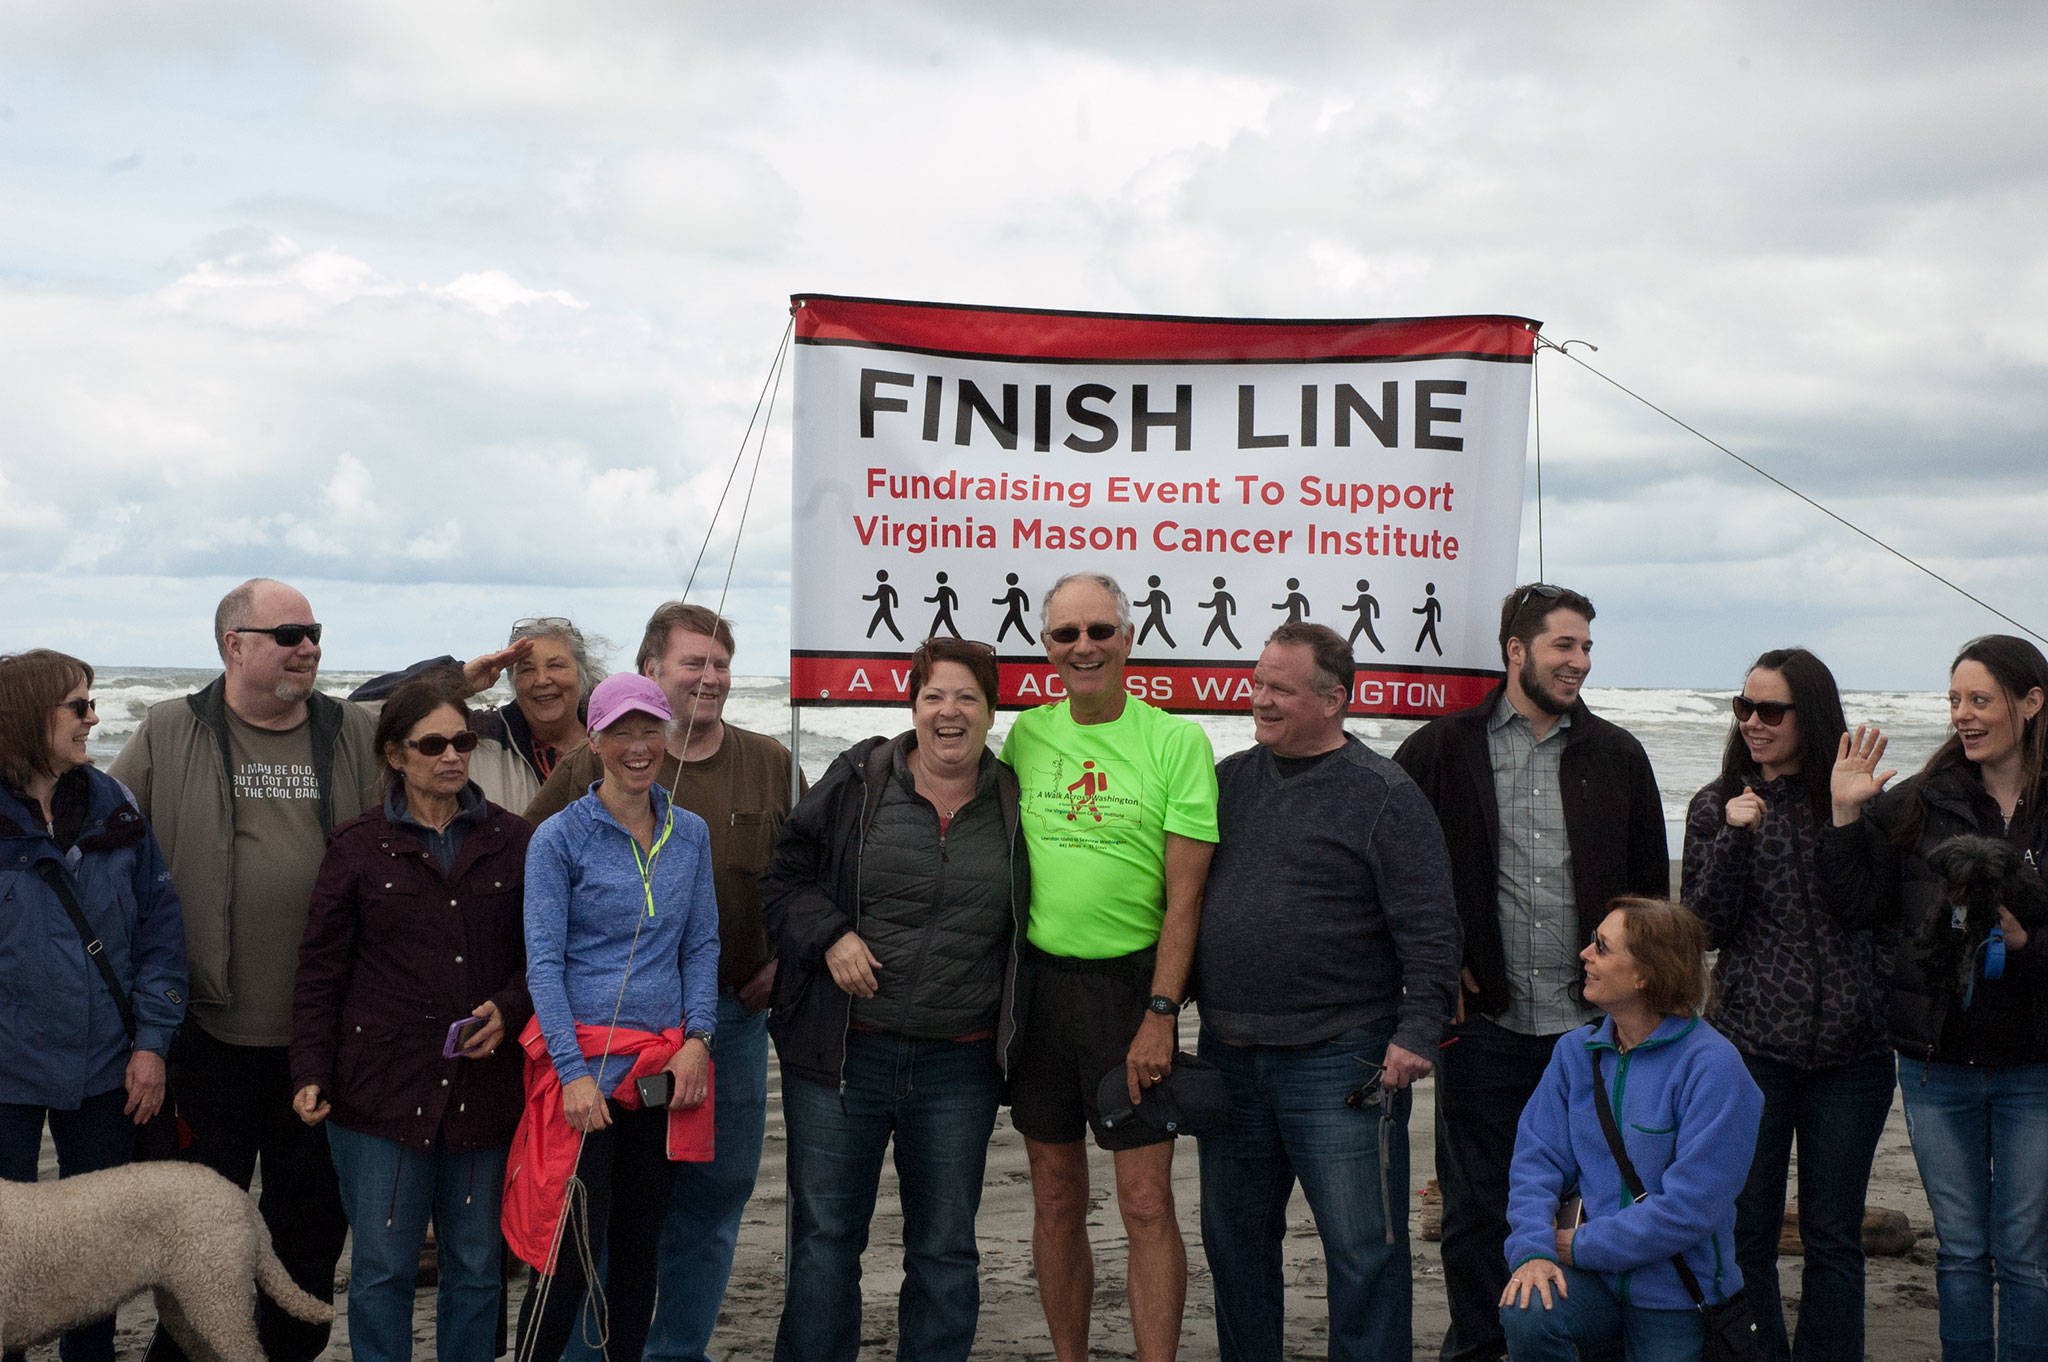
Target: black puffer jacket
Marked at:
811, 896
1792, 983
1867, 880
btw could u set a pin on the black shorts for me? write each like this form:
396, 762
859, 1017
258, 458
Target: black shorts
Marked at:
1083, 1016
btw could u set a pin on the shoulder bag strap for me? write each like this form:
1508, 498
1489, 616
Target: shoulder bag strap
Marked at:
60, 885
1628, 1174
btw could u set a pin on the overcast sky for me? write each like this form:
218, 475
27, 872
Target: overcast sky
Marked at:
451, 313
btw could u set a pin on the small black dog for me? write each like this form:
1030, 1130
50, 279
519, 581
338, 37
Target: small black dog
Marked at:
1979, 874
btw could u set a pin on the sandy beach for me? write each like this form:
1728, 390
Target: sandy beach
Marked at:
1901, 1310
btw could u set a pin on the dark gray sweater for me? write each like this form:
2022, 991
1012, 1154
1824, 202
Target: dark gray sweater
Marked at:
1328, 904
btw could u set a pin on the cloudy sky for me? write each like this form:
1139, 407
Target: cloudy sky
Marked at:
456, 312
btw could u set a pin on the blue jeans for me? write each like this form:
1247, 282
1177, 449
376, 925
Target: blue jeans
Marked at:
704, 1211
390, 1193
1589, 1312
93, 1137
1978, 1137
937, 1099
1836, 1114
1288, 1123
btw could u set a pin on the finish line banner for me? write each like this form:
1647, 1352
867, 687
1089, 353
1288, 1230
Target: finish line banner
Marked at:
950, 462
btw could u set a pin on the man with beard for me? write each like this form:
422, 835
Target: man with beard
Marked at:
1549, 812
737, 781
242, 782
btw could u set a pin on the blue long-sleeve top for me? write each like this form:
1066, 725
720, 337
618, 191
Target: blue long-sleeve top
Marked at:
1688, 1112
585, 900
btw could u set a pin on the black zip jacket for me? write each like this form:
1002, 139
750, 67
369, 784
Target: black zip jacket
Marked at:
1613, 821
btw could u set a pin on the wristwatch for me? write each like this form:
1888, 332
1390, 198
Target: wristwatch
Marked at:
1163, 1005
698, 1033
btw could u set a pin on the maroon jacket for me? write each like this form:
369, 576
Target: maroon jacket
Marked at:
395, 951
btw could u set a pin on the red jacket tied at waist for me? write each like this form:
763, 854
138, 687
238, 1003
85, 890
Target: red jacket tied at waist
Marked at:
544, 1148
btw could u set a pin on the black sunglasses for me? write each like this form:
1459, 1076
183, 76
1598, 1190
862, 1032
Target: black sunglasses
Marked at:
1068, 633
1772, 712
434, 744
287, 635
1368, 1093
80, 708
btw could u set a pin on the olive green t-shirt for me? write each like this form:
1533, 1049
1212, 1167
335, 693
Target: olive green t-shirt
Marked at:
1097, 803
278, 846
741, 791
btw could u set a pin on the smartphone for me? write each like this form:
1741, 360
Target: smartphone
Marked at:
458, 1036
655, 1089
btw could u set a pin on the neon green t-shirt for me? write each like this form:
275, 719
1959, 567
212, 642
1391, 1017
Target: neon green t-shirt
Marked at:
1098, 801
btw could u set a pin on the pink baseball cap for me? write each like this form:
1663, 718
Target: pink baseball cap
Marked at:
623, 693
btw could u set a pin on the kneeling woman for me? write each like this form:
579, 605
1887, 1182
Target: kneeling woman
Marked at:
896, 899
1686, 1113
622, 962
411, 974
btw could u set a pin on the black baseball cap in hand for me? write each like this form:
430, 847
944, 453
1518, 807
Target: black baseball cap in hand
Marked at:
1190, 1100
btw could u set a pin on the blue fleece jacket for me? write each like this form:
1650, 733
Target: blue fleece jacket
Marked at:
1688, 1113
584, 902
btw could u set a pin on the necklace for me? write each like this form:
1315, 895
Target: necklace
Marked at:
928, 786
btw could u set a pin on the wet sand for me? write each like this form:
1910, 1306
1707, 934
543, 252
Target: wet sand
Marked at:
1901, 1305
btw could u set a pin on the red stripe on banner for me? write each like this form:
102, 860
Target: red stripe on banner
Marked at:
1390, 693
1054, 336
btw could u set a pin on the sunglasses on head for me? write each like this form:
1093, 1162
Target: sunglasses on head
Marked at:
1772, 712
80, 708
287, 635
1069, 633
434, 744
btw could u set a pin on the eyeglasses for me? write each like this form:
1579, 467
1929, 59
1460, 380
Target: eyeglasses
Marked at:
931, 647
540, 624
80, 708
1772, 712
434, 744
287, 635
1533, 591
1068, 633
1368, 1093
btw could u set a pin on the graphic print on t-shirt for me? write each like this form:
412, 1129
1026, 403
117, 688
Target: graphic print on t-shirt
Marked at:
275, 780
1085, 800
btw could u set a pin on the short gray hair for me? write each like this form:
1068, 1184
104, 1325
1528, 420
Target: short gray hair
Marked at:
1101, 579
235, 611
582, 651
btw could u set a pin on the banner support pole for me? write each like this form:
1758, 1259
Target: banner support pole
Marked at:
796, 751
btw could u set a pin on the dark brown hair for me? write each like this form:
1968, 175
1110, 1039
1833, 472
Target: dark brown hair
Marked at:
1525, 610
409, 704
1334, 664
2018, 667
1669, 947
978, 658
691, 619
31, 685
1816, 708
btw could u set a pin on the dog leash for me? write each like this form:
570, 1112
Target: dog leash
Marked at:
1993, 951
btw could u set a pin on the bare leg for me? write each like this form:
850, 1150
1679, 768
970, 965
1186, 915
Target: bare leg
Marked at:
1059, 1243
1158, 1285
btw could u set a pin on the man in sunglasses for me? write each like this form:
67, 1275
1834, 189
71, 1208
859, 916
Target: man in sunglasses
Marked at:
242, 782
1329, 967
1119, 803
1549, 812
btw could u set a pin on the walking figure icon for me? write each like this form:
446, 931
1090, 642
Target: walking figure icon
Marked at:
946, 599
1156, 607
1431, 610
1225, 605
1368, 610
884, 596
1013, 617
1296, 604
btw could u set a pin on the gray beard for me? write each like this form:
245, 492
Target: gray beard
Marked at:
293, 691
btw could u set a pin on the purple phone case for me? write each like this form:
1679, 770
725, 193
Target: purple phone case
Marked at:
458, 1032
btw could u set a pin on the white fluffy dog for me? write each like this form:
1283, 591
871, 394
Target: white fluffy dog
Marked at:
72, 1250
